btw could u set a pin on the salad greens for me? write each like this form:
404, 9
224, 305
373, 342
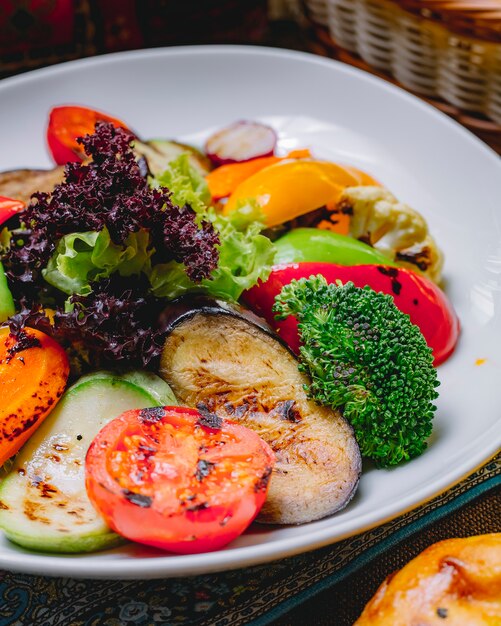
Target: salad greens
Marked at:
186, 184
83, 258
111, 244
109, 190
245, 255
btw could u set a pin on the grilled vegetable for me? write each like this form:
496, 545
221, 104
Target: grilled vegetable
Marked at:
66, 123
177, 479
160, 152
22, 184
224, 180
9, 208
392, 227
43, 502
289, 189
239, 142
314, 245
365, 357
33, 374
149, 383
414, 294
229, 363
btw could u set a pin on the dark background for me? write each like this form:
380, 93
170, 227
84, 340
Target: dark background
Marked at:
35, 33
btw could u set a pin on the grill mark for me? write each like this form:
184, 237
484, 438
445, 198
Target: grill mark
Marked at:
153, 414
287, 411
23, 341
204, 468
262, 483
208, 418
137, 498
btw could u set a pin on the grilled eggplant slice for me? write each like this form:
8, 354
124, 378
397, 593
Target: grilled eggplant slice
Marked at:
160, 152
226, 361
21, 184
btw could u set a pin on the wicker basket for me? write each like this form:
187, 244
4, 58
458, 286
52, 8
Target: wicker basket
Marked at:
444, 50
436, 51
318, 11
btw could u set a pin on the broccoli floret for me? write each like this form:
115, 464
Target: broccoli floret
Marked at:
365, 357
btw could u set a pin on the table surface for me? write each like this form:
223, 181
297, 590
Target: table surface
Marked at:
342, 604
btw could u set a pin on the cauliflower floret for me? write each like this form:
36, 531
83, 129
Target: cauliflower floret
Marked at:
392, 227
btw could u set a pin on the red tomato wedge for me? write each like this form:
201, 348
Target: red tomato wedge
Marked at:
66, 123
9, 207
178, 479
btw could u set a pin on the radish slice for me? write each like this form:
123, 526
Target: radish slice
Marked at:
240, 142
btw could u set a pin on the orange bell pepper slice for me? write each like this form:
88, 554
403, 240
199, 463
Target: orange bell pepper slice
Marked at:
33, 373
225, 179
292, 188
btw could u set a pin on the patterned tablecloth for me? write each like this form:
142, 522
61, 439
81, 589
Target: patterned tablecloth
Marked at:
347, 572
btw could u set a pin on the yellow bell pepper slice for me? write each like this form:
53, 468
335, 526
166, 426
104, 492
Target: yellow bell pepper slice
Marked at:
289, 189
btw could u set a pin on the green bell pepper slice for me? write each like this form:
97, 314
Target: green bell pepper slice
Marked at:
313, 245
7, 308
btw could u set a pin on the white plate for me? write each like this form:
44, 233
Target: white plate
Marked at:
424, 157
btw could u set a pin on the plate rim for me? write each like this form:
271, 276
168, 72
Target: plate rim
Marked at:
160, 566
256, 50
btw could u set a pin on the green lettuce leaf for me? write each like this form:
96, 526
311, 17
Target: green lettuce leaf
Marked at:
245, 255
186, 184
81, 258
